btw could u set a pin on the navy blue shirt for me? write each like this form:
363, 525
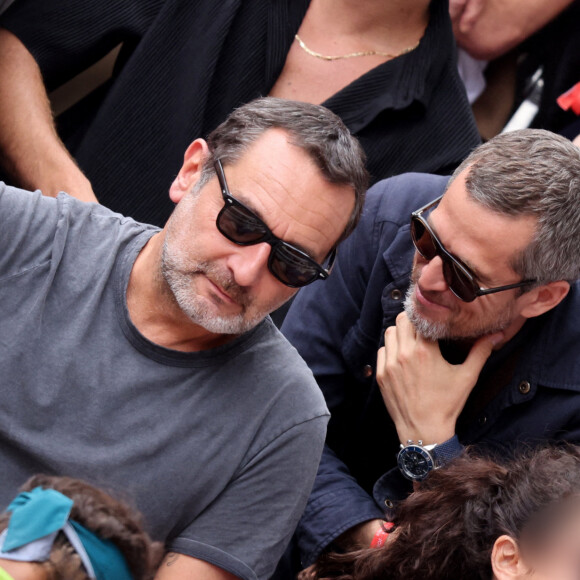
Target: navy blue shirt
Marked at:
337, 327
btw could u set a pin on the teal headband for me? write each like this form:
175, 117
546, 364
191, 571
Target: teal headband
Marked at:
38, 516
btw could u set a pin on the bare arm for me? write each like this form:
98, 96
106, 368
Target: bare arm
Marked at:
31, 151
489, 28
180, 567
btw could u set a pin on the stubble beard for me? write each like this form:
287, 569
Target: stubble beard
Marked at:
444, 330
180, 278
179, 273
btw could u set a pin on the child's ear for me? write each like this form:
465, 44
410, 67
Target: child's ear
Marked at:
506, 560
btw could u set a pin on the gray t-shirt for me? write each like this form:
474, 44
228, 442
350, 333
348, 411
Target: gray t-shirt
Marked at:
218, 448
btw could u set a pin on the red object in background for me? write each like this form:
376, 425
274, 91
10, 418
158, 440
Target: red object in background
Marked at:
380, 538
570, 99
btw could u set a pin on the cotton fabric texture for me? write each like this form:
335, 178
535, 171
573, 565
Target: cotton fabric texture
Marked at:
218, 449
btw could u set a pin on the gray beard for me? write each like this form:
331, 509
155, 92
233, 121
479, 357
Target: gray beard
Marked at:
441, 331
180, 288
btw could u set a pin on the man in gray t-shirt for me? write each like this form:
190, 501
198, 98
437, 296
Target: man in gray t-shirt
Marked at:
143, 360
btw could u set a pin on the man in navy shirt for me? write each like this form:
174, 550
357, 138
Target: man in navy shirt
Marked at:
476, 302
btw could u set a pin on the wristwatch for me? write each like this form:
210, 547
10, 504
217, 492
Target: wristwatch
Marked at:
416, 460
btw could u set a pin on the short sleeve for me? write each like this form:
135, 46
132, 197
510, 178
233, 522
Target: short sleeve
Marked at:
29, 222
247, 528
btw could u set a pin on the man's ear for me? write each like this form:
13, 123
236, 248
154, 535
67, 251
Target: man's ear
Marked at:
190, 171
506, 560
544, 298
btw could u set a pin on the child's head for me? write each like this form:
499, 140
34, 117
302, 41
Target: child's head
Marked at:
111, 536
480, 519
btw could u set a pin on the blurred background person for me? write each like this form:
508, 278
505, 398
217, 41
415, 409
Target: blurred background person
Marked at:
518, 56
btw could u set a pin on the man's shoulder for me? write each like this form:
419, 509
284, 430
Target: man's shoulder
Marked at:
557, 343
282, 373
99, 227
385, 219
72, 235
395, 198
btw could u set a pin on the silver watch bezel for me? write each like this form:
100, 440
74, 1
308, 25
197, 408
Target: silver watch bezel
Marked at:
417, 449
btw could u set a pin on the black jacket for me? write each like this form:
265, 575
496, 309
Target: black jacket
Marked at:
185, 64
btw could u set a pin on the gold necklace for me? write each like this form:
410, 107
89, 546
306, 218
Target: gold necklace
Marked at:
352, 54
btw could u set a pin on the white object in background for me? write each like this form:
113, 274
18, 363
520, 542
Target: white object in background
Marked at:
471, 73
530, 106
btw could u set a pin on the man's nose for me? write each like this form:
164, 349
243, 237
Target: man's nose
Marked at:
432, 277
249, 263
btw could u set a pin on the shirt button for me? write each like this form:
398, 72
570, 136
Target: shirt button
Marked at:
396, 294
524, 387
482, 420
367, 371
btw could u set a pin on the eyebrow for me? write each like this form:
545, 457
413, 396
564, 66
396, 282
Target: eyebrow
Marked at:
482, 278
243, 199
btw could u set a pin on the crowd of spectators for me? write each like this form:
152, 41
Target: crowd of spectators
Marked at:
424, 383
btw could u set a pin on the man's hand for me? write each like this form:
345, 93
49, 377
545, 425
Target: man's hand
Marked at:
487, 29
423, 393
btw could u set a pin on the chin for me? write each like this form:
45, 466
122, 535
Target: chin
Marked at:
428, 329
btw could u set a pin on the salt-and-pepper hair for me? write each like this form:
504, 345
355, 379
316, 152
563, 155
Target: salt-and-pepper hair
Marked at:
536, 173
313, 128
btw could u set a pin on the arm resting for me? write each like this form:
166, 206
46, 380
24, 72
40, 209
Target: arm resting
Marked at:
32, 153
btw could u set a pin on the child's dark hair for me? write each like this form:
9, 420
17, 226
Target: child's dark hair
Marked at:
448, 527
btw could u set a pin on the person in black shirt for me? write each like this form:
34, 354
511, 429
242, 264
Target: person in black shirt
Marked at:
185, 65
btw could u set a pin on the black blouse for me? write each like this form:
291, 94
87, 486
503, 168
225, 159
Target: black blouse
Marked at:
185, 64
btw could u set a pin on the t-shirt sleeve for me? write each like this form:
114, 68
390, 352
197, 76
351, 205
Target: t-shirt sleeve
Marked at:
68, 36
247, 528
28, 223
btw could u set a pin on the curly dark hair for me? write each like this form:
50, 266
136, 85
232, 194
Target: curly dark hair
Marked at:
107, 517
447, 528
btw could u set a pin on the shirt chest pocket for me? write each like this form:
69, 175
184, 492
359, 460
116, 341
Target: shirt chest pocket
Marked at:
359, 348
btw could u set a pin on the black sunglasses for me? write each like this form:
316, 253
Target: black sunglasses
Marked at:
241, 225
460, 279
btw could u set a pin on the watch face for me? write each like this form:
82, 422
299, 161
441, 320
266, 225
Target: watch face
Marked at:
415, 462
